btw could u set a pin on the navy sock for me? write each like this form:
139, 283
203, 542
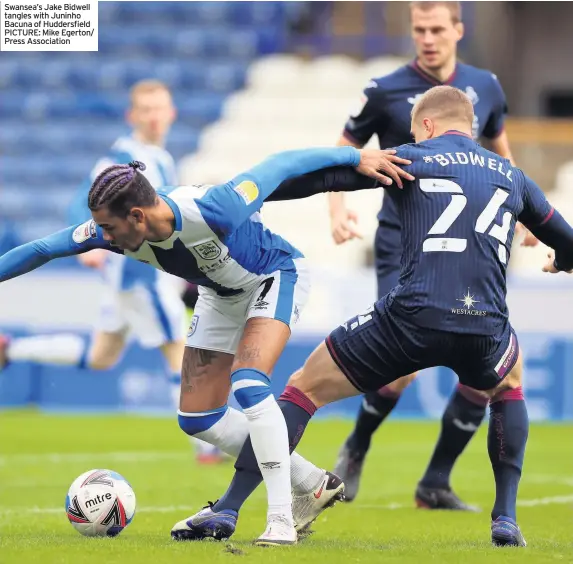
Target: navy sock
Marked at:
376, 406
508, 430
462, 418
297, 410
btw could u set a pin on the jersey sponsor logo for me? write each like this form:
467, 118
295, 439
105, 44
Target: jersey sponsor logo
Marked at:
215, 265
248, 190
193, 326
85, 231
468, 307
208, 251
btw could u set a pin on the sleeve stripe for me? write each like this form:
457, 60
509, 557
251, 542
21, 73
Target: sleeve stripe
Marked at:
548, 216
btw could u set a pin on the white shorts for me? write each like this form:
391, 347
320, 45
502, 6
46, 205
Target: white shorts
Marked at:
152, 313
218, 322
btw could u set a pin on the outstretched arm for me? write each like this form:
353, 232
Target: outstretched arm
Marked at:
333, 179
548, 225
71, 241
225, 207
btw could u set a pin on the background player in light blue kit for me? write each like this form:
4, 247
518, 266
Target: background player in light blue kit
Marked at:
138, 301
449, 307
254, 285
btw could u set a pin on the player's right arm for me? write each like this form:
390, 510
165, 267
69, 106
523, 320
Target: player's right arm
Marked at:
71, 241
362, 124
547, 224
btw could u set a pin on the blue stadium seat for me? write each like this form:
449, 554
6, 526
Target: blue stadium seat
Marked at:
199, 110
37, 228
61, 111
24, 202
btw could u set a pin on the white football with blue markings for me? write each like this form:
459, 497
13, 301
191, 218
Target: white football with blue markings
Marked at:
100, 503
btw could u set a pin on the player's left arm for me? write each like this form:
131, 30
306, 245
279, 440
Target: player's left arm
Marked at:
345, 179
548, 225
333, 179
71, 241
227, 206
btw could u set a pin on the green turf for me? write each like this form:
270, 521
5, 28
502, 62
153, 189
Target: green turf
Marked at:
40, 455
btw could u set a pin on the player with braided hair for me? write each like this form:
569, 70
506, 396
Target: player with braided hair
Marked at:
253, 286
137, 300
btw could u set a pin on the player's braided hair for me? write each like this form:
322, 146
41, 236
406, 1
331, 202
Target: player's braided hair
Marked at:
120, 188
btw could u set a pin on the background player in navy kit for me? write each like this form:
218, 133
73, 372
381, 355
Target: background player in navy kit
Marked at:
385, 112
459, 215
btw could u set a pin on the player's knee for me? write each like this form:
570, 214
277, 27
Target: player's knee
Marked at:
297, 379
194, 423
399, 385
250, 386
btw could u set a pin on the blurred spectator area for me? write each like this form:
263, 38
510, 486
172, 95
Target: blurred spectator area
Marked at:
248, 78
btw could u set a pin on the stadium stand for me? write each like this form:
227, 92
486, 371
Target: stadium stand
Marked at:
60, 111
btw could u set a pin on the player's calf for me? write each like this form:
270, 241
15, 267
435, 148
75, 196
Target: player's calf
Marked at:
507, 438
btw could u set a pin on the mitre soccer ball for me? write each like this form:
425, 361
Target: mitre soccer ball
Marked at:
100, 503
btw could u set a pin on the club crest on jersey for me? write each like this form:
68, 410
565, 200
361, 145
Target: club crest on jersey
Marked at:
472, 95
414, 99
193, 326
208, 251
85, 231
248, 190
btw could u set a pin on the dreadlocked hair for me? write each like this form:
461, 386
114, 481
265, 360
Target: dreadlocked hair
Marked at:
121, 187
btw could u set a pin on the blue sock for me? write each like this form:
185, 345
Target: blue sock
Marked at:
193, 423
507, 436
297, 410
460, 421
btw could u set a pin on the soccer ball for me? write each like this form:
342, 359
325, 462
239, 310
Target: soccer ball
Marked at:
100, 503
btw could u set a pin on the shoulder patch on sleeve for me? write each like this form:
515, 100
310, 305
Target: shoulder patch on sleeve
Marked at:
85, 231
248, 190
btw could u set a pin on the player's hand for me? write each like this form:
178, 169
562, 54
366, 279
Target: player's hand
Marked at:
529, 239
374, 161
550, 265
343, 226
93, 259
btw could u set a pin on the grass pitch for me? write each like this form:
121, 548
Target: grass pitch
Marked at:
40, 455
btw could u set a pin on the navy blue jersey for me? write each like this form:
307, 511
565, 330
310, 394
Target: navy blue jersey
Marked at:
458, 219
388, 101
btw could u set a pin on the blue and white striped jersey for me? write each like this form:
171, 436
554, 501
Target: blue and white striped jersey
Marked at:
218, 240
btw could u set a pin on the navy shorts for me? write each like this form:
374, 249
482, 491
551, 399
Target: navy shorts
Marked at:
381, 345
387, 251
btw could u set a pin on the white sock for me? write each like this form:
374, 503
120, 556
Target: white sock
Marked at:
66, 349
304, 475
231, 432
269, 437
